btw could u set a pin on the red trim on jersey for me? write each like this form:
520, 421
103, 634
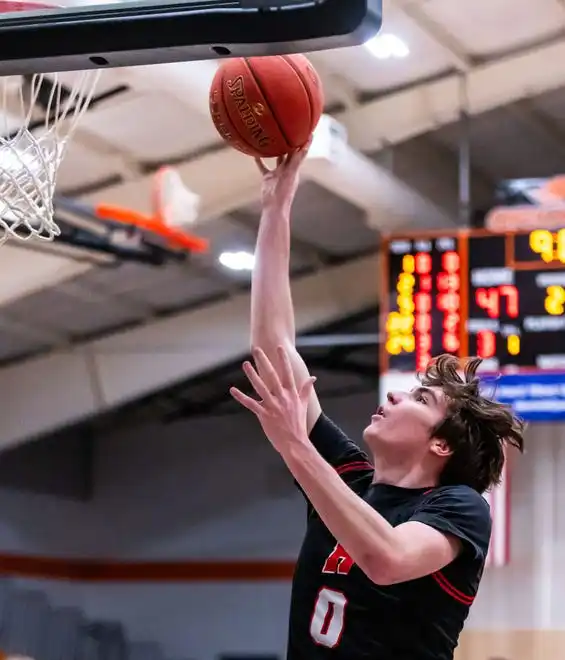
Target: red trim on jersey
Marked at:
354, 467
452, 591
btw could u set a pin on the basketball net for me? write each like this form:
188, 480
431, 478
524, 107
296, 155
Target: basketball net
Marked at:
32, 146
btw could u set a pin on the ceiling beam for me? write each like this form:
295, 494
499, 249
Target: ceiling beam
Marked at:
426, 107
451, 48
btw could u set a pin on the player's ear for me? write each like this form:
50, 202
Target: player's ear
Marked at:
441, 448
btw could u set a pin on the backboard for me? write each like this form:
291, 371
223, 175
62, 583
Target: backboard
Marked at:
87, 34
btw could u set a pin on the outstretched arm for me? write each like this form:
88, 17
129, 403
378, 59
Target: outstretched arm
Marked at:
272, 314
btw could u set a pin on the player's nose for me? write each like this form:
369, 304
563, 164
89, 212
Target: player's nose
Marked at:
394, 397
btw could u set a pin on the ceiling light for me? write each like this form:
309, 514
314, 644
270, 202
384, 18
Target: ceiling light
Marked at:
237, 260
387, 46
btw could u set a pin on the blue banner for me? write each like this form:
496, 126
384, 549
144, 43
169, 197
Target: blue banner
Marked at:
535, 397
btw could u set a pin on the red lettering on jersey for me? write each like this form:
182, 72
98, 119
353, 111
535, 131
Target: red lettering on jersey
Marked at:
338, 562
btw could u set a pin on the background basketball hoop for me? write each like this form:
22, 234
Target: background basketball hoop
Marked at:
174, 209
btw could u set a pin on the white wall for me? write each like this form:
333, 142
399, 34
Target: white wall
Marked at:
201, 488
173, 492
530, 592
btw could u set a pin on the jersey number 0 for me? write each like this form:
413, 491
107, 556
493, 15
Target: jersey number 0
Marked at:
328, 617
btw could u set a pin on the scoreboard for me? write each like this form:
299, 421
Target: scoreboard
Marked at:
475, 292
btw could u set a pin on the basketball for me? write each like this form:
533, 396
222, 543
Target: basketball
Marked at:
266, 106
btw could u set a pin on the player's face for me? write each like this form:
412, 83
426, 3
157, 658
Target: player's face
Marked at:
406, 421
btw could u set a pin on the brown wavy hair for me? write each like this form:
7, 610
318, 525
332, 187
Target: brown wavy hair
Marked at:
476, 428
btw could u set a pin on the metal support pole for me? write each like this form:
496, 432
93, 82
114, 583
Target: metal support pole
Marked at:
334, 340
464, 201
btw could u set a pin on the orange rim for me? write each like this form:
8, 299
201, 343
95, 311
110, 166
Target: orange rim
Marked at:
175, 238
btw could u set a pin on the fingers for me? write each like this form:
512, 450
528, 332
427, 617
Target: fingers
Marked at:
246, 401
298, 156
281, 163
262, 167
269, 373
257, 382
287, 374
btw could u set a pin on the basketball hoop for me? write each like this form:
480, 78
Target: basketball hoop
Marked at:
39, 115
174, 209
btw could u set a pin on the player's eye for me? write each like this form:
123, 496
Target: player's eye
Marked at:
420, 398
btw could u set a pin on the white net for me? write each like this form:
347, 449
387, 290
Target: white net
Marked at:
175, 204
39, 116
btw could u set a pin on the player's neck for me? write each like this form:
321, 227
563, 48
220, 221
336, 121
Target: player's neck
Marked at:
402, 475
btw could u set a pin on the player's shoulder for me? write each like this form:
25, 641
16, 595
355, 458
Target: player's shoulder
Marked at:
459, 496
460, 511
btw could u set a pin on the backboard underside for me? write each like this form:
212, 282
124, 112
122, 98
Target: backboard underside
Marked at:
138, 32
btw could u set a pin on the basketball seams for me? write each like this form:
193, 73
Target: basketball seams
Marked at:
300, 77
268, 101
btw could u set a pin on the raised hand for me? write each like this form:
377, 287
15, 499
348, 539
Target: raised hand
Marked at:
283, 405
280, 185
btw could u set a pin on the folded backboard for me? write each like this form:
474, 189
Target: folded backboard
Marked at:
89, 33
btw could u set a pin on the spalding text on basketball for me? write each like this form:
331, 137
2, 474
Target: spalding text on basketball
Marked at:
236, 89
224, 130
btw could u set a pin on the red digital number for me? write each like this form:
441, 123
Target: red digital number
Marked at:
489, 300
423, 303
425, 283
510, 292
450, 262
448, 282
451, 322
423, 344
450, 342
448, 302
423, 263
422, 361
423, 323
486, 344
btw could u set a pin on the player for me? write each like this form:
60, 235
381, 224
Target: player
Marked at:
394, 548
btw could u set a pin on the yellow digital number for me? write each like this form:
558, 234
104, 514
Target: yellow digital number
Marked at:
513, 345
409, 343
561, 245
405, 304
555, 300
406, 283
399, 323
408, 263
541, 242
398, 343
393, 323
394, 345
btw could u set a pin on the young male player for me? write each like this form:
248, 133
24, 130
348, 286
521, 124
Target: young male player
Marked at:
394, 549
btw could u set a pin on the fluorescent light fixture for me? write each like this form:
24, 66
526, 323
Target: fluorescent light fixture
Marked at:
237, 260
387, 46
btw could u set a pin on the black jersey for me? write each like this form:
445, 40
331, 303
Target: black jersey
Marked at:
337, 612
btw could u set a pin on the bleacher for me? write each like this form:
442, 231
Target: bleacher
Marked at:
32, 627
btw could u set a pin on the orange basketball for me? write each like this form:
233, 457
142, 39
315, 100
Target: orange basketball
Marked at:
266, 106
